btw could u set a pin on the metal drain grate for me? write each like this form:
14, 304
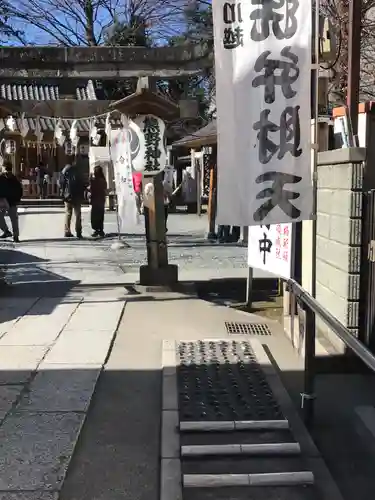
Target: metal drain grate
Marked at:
247, 328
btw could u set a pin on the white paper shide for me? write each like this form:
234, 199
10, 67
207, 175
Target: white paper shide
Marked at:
270, 249
263, 68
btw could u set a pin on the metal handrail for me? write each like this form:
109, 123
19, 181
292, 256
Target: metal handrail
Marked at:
312, 308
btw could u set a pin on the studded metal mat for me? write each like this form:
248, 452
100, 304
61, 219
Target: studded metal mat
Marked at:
222, 380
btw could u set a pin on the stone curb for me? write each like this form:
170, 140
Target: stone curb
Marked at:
266, 479
263, 449
235, 425
170, 470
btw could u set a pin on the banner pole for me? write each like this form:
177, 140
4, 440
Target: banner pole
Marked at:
315, 147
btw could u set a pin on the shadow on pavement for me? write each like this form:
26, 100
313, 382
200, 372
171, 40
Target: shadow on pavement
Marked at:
119, 447
232, 291
26, 284
118, 450
11, 256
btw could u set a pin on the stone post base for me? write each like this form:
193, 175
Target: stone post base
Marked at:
162, 276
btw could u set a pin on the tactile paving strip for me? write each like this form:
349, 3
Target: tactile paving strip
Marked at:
222, 380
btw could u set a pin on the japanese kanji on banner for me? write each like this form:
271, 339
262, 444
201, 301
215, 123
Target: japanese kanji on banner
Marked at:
122, 166
263, 74
270, 249
151, 154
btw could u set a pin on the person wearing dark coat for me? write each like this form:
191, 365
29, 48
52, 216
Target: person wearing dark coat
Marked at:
72, 192
97, 195
41, 180
10, 196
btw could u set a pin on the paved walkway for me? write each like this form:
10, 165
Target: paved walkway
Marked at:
123, 429
41, 243
57, 325
59, 329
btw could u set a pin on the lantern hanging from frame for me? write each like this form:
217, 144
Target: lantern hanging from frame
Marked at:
94, 133
69, 148
10, 147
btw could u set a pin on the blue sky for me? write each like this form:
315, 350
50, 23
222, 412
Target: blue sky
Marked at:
65, 19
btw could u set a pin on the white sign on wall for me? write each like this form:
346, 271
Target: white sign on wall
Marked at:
270, 249
263, 73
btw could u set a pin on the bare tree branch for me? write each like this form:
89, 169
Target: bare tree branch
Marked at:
337, 11
85, 22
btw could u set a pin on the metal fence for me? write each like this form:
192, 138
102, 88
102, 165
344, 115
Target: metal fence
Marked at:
312, 309
367, 299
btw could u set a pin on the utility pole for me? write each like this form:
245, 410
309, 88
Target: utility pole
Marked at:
354, 54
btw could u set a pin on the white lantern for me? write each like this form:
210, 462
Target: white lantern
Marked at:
69, 149
10, 147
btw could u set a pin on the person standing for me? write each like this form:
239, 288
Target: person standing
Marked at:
10, 194
97, 195
167, 193
41, 173
223, 234
72, 191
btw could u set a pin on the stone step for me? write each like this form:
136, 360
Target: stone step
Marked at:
260, 480
233, 425
233, 433
260, 449
243, 437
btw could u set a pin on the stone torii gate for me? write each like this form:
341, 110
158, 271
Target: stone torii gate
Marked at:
116, 63
104, 62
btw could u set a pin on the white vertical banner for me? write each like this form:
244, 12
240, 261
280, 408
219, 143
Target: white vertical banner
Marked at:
270, 249
122, 166
263, 75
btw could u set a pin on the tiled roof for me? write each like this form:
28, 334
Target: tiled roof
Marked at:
208, 131
48, 124
35, 92
20, 92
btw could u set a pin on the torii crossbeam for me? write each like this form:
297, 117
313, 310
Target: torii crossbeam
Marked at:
103, 62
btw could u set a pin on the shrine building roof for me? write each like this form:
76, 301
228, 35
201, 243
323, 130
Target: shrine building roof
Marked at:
38, 91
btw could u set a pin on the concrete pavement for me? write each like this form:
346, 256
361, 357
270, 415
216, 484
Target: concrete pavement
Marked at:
58, 329
123, 429
197, 258
57, 325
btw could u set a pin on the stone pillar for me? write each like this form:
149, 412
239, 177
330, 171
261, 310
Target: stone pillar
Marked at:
157, 272
339, 231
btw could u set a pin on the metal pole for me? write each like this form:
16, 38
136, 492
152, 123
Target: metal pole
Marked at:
307, 402
354, 53
315, 147
308, 396
249, 287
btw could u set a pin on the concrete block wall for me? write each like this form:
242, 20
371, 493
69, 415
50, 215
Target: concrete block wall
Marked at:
339, 226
